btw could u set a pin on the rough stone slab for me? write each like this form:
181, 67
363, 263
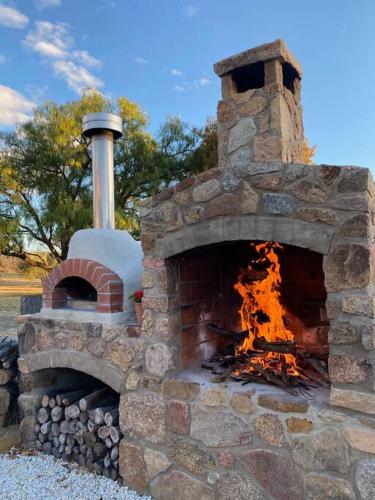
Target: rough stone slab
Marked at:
325, 450
355, 400
180, 389
156, 462
191, 456
174, 485
361, 439
143, 415
347, 266
275, 50
278, 204
131, 466
266, 467
365, 479
229, 429
283, 403
269, 428
322, 487
237, 486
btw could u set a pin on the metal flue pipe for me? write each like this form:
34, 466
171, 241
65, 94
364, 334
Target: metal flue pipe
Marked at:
103, 129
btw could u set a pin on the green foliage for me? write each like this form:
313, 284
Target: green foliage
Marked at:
45, 173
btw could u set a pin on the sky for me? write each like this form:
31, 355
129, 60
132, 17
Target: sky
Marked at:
159, 53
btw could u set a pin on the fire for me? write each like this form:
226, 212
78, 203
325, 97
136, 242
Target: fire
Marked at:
262, 315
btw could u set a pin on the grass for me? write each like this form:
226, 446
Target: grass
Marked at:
12, 286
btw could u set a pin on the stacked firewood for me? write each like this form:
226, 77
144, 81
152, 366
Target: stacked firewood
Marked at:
81, 426
8, 382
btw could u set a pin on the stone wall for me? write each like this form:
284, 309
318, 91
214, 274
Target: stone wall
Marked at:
324, 208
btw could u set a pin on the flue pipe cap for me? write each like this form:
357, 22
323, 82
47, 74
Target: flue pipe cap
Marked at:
94, 123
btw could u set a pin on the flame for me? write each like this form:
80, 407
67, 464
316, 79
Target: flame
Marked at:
261, 312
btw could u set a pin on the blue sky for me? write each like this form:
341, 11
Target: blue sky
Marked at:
159, 53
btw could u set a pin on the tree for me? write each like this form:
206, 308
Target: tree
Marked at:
45, 173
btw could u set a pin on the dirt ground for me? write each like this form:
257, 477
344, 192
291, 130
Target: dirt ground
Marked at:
12, 286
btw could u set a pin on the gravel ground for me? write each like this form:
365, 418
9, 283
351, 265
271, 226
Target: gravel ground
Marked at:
24, 477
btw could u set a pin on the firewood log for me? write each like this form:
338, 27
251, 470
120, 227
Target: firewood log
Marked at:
103, 432
10, 361
108, 442
72, 411
64, 456
99, 450
114, 453
91, 400
115, 464
98, 468
56, 413
71, 397
81, 459
84, 416
52, 402
72, 426
80, 439
81, 428
113, 474
38, 444
89, 464
37, 428
46, 427
61, 448
47, 447
114, 434
55, 452
70, 441
111, 417
89, 453
50, 436
76, 450
62, 438
107, 460
83, 448
56, 441
92, 426
42, 438
106, 472
7, 375
55, 428
64, 426
90, 438
68, 450
43, 415
100, 412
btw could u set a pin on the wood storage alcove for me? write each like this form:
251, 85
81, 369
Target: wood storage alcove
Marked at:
77, 419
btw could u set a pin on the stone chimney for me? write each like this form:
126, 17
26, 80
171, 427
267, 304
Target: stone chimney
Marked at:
260, 114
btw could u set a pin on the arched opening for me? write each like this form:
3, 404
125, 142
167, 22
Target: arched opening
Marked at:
80, 294
239, 299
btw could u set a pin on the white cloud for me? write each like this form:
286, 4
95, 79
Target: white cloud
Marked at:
78, 78
49, 39
45, 4
15, 108
204, 81
189, 10
178, 88
140, 60
86, 59
12, 18
176, 72
3, 59
54, 42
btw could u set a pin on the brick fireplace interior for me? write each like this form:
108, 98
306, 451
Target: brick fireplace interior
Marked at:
206, 279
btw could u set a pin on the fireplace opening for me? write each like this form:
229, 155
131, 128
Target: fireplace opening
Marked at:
80, 294
77, 419
249, 77
254, 311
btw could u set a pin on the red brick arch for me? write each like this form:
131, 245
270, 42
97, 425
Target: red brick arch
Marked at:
108, 285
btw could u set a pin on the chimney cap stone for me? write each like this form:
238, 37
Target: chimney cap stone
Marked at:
274, 50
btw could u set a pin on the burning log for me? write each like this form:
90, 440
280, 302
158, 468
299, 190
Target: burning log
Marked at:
284, 347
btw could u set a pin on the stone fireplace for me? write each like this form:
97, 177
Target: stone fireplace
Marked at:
186, 434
